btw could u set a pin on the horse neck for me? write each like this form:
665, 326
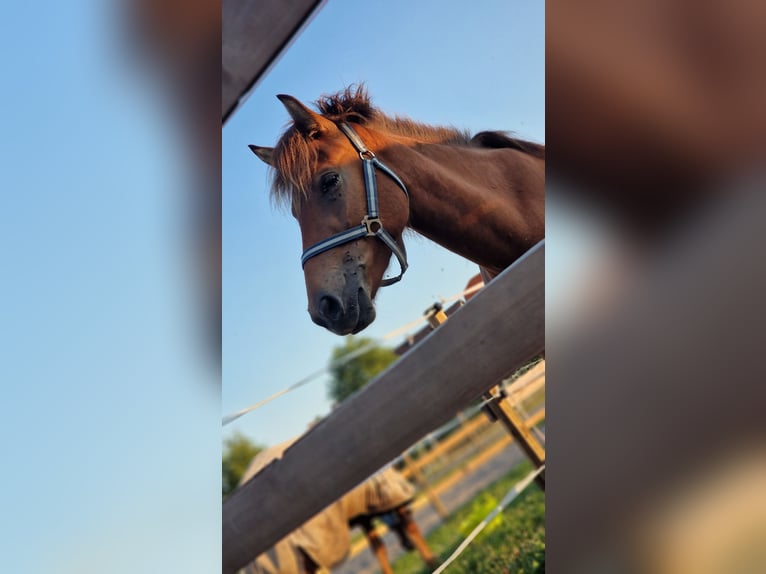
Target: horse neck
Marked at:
486, 205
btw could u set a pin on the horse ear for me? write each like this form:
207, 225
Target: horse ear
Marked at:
308, 122
265, 154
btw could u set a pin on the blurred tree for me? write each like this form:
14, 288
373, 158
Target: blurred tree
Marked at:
350, 377
238, 451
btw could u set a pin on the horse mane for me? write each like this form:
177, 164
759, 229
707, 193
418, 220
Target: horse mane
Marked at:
354, 105
503, 140
294, 157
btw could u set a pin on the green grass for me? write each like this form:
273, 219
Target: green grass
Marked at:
514, 543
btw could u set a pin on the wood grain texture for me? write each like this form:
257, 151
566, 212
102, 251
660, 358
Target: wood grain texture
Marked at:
489, 338
255, 33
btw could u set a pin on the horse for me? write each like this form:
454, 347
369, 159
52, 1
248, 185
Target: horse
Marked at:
324, 540
482, 197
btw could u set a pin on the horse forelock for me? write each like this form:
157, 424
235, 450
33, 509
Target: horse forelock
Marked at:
352, 104
295, 160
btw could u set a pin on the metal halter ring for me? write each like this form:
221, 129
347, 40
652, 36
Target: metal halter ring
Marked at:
368, 223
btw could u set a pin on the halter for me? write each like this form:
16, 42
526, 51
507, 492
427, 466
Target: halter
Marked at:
371, 225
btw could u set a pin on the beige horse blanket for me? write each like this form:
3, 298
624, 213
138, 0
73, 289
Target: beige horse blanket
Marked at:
326, 537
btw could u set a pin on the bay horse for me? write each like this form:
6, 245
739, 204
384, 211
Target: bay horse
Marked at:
482, 197
324, 540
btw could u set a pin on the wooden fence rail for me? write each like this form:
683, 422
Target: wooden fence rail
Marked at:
494, 334
254, 34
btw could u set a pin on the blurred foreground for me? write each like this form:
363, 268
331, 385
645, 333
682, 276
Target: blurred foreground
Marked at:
655, 283
111, 433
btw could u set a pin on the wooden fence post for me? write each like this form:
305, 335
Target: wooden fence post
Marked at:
421, 481
501, 409
470, 436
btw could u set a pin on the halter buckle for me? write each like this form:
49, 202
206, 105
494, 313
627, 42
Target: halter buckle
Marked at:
366, 154
369, 222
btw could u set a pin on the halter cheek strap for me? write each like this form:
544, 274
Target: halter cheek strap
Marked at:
371, 225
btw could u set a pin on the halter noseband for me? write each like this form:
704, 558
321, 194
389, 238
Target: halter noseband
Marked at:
371, 225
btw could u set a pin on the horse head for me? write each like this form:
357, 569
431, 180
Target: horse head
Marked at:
319, 169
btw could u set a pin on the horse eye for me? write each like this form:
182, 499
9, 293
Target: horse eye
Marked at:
330, 181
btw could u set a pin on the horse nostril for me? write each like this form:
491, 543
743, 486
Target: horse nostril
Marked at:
330, 307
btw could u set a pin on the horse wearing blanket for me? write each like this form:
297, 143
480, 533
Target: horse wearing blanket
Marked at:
324, 540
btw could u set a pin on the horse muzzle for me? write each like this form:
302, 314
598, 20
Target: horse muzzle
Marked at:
344, 314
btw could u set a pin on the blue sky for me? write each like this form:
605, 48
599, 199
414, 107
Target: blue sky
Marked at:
110, 427
478, 67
